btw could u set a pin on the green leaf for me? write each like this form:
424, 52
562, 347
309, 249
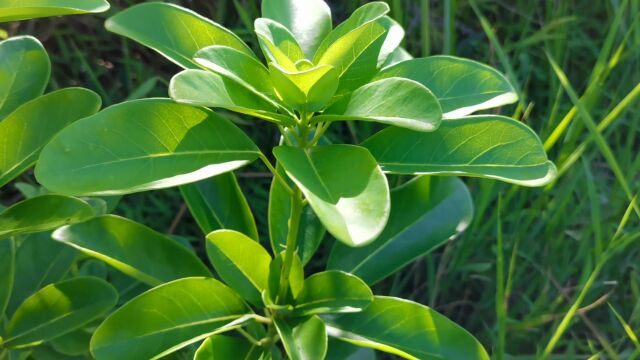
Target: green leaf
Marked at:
462, 86
339, 349
7, 271
343, 185
58, 309
241, 68
24, 72
132, 248
42, 213
393, 39
218, 203
311, 231
306, 339
332, 292
168, 318
278, 44
296, 279
75, 343
221, 347
407, 329
241, 262
40, 261
397, 56
307, 90
204, 88
14, 10
142, 145
425, 213
308, 21
393, 101
26, 130
173, 31
466, 147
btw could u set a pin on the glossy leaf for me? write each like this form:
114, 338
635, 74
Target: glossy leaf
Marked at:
393, 39
239, 67
311, 231
489, 146
58, 309
75, 343
204, 88
7, 271
13, 10
155, 142
241, 262
343, 185
42, 213
24, 72
40, 261
296, 279
407, 329
306, 339
167, 318
132, 248
393, 101
25, 131
308, 21
397, 56
307, 90
221, 347
173, 31
343, 350
462, 86
218, 203
278, 44
332, 292
425, 213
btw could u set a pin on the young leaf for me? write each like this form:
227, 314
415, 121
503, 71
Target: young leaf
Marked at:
42, 213
39, 262
14, 10
393, 101
7, 271
241, 262
132, 248
307, 90
462, 86
397, 56
465, 147
218, 203
311, 230
303, 339
58, 309
239, 67
173, 31
296, 279
204, 88
221, 347
142, 145
168, 318
26, 130
406, 329
425, 213
343, 185
309, 21
332, 292
393, 39
278, 44
24, 72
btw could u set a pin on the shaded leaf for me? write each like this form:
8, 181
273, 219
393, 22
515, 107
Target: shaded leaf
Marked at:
155, 142
466, 147
305, 339
7, 271
425, 213
296, 279
343, 185
26, 130
332, 292
407, 329
132, 248
167, 318
221, 347
175, 32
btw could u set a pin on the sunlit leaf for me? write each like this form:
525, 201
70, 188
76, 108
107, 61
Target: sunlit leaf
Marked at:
303, 339
332, 292
278, 44
13, 10
221, 347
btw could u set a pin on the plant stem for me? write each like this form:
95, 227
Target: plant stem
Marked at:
275, 173
292, 236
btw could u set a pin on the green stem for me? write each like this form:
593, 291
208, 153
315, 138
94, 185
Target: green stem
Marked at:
275, 173
292, 236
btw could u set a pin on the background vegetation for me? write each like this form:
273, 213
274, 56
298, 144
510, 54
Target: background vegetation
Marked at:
531, 256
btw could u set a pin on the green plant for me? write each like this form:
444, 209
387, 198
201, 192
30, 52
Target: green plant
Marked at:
315, 76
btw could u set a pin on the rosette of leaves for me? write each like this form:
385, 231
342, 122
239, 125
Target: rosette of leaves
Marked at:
50, 298
310, 76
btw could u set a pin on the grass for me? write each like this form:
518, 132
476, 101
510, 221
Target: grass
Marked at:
533, 274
